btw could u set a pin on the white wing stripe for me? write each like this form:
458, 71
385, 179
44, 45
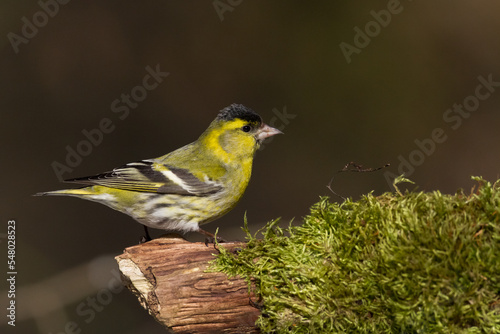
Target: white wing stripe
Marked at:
177, 180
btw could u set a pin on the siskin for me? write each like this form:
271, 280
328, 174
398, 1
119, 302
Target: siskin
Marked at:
188, 187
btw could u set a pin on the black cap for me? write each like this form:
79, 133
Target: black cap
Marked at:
239, 111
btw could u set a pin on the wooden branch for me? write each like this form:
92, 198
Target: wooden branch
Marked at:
168, 276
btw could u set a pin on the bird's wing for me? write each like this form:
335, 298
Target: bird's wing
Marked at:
150, 176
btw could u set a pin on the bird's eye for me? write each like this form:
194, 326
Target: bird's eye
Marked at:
246, 128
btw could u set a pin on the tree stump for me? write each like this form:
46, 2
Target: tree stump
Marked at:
168, 277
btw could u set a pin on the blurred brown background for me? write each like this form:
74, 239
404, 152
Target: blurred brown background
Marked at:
62, 77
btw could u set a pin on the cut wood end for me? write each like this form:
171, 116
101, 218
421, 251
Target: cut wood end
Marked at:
135, 280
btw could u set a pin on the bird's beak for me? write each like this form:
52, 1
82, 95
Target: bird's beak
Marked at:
266, 131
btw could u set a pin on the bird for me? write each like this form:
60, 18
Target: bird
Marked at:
191, 186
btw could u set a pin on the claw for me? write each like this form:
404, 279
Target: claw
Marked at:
210, 238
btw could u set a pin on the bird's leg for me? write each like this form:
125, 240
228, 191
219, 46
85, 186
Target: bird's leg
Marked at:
210, 237
146, 237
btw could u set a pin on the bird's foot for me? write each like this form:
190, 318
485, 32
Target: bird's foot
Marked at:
213, 240
210, 238
146, 237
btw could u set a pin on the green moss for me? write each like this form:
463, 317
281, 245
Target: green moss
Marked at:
396, 263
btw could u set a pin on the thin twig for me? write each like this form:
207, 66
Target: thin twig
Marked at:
353, 167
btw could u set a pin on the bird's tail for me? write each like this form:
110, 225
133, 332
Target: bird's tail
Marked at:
94, 193
67, 192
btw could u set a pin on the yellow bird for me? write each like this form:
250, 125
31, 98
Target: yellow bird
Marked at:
188, 187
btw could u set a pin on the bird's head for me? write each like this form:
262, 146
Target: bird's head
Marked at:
237, 131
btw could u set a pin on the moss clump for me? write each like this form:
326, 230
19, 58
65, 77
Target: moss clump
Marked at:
413, 263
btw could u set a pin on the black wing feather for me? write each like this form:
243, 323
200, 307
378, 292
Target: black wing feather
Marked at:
143, 176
